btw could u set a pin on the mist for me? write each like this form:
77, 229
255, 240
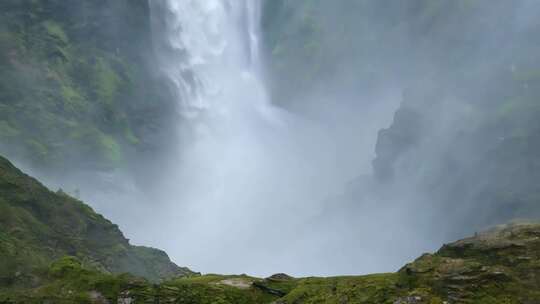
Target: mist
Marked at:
251, 176
321, 138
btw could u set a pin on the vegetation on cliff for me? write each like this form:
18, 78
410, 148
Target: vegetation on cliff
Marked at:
76, 85
38, 226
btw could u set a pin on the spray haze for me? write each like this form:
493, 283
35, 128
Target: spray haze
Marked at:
251, 174
319, 137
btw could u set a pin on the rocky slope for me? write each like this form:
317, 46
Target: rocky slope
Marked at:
38, 226
498, 266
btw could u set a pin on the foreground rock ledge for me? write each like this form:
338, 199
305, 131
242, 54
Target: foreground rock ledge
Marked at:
501, 265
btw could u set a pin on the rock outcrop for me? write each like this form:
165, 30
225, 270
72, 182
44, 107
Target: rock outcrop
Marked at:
38, 226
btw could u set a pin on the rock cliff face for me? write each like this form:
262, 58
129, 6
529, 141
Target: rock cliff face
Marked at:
38, 226
465, 138
77, 86
496, 266
474, 159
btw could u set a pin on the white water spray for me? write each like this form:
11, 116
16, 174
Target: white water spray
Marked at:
250, 184
212, 56
249, 167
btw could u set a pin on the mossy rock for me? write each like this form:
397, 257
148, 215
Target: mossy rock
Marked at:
39, 226
68, 66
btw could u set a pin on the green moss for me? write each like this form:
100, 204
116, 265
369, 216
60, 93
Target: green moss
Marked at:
55, 30
73, 100
218, 289
63, 70
110, 149
103, 147
65, 266
107, 81
378, 288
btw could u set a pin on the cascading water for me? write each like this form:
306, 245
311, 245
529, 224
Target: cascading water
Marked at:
211, 55
247, 190
246, 164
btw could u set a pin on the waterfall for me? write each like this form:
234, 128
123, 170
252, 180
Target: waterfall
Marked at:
246, 169
211, 51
